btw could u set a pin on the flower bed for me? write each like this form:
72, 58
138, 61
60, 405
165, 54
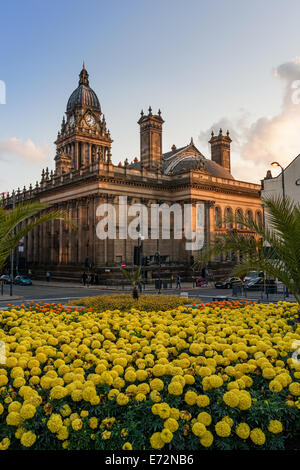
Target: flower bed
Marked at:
145, 302
187, 378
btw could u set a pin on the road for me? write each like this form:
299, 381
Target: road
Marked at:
64, 293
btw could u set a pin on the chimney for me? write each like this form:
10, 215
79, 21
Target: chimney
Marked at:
220, 149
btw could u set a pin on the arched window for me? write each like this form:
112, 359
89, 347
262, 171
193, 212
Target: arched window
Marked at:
218, 217
228, 218
250, 216
258, 218
239, 215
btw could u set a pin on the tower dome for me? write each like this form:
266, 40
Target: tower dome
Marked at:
83, 95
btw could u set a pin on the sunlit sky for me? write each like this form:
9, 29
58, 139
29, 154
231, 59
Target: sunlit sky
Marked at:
203, 63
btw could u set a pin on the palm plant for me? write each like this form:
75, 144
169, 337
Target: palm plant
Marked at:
274, 248
12, 230
134, 279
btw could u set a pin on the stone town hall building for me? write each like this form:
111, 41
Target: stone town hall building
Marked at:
85, 176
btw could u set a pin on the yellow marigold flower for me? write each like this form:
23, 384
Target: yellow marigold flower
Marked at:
174, 413
156, 384
171, 424
54, 423
268, 373
77, 424
166, 435
242, 430
228, 420
163, 410
27, 411
223, 429
207, 439
76, 395
130, 376
14, 419
65, 410
175, 388
93, 422
189, 379
156, 441
28, 439
122, 399
14, 406
58, 392
199, 429
203, 401
244, 401
140, 397
257, 436
275, 386
294, 388
113, 393
231, 399
106, 435
2, 408
204, 418
215, 381
5, 443
190, 398
63, 433
275, 426
127, 446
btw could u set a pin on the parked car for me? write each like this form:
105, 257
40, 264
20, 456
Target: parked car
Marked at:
23, 281
253, 275
256, 283
201, 281
228, 283
5, 278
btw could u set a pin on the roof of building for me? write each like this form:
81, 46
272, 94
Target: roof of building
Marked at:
188, 158
83, 95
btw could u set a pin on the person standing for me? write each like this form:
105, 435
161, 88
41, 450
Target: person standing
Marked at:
84, 277
178, 282
48, 276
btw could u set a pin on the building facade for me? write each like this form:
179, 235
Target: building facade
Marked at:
85, 177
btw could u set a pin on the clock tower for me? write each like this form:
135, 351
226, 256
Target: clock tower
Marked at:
84, 138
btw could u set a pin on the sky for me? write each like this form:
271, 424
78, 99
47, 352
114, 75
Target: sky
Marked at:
205, 64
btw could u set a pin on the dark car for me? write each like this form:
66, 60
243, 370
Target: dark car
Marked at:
23, 281
228, 283
5, 279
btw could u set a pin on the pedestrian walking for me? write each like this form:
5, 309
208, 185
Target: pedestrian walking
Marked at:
178, 282
48, 276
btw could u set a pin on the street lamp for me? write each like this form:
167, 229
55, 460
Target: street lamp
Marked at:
282, 176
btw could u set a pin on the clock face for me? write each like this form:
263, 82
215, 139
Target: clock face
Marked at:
90, 120
72, 121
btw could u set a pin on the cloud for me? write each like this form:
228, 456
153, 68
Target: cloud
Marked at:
255, 145
25, 150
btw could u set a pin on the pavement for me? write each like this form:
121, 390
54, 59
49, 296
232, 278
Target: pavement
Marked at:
62, 292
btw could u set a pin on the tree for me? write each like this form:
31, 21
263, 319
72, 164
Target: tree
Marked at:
12, 230
134, 279
274, 248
